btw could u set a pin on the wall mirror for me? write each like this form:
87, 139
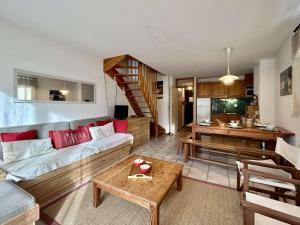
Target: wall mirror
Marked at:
36, 87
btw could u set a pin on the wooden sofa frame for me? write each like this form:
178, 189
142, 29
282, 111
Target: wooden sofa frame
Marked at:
50, 186
30, 216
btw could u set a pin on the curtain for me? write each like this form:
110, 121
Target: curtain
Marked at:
296, 72
27, 88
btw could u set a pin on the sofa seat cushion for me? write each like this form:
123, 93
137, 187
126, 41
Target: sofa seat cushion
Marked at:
30, 168
14, 201
111, 141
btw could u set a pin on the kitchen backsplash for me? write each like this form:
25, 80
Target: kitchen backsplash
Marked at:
230, 105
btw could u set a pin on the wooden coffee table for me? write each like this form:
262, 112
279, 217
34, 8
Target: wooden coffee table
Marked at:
147, 193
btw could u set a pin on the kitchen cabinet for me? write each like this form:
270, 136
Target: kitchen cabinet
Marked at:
219, 90
236, 90
204, 89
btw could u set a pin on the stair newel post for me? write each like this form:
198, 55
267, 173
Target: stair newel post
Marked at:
155, 100
149, 83
140, 74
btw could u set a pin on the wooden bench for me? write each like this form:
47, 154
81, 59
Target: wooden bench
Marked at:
181, 143
218, 148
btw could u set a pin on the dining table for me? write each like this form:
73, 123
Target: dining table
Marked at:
268, 137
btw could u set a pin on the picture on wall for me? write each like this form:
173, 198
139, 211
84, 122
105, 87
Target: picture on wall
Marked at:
160, 89
56, 95
286, 82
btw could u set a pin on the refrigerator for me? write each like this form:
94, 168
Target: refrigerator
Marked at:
203, 109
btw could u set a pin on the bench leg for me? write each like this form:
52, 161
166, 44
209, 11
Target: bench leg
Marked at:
238, 180
179, 148
186, 149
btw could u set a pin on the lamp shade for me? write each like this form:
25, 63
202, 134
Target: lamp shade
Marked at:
228, 79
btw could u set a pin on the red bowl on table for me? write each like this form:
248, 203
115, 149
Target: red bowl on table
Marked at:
138, 162
145, 168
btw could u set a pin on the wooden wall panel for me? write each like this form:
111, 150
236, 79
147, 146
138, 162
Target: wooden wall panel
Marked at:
139, 127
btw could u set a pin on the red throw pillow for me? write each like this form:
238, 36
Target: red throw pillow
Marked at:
102, 122
66, 138
86, 129
121, 126
19, 136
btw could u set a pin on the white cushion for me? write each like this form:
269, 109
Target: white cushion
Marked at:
30, 168
18, 150
109, 142
102, 131
271, 204
262, 180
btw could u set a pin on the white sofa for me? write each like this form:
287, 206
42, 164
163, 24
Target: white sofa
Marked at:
49, 175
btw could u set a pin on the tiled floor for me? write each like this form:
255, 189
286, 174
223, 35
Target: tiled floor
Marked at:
166, 148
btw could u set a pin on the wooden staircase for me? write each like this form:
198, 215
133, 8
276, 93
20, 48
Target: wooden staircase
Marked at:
138, 82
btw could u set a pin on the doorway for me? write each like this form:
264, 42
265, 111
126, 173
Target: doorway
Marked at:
188, 106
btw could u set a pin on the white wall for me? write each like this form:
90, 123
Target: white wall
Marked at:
256, 77
274, 108
23, 49
163, 105
284, 104
265, 89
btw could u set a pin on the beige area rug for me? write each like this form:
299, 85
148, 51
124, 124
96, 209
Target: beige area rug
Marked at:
197, 204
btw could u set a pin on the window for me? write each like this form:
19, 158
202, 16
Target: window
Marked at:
24, 93
26, 88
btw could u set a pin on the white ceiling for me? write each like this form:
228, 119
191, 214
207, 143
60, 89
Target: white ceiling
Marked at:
177, 37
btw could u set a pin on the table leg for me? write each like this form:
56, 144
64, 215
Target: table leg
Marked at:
179, 182
96, 195
154, 214
194, 137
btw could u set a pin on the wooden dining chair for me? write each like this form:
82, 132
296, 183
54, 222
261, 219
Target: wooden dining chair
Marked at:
284, 162
260, 210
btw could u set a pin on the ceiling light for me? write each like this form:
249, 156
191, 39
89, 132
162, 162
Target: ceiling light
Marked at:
228, 79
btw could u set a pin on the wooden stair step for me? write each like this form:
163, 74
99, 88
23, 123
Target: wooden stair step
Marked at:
126, 66
130, 82
135, 96
133, 89
125, 75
